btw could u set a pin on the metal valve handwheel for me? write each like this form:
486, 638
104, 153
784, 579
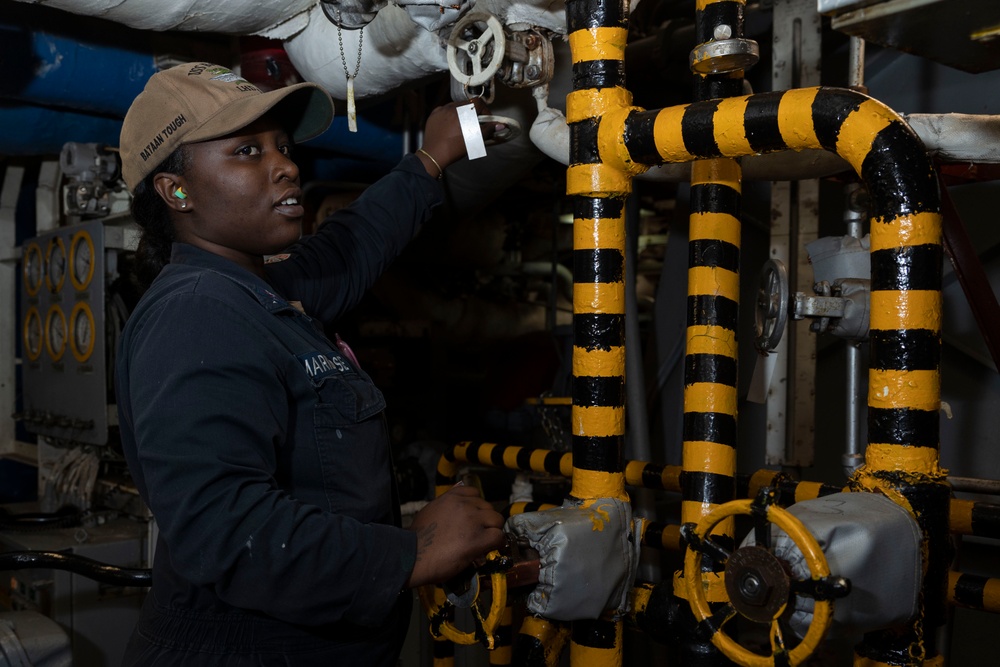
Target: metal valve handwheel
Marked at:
476, 48
771, 313
439, 604
757, 583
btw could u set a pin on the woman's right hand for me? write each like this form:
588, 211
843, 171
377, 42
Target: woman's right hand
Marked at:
452, 531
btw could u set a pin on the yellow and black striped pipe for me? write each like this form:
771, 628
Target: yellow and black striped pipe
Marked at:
974, 592
906, 254
975, 518
597, 32
710, 373
540, 642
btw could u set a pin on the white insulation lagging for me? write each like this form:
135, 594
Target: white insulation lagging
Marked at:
396, 51
234, 17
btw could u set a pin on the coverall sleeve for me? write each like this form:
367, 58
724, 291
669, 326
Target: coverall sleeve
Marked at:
330, 271
209, 408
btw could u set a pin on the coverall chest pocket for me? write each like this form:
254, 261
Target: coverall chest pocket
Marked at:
352, 445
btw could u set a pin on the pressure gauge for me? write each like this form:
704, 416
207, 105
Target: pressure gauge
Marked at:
81, 260
83, 333
32, 334
33, 267
55, 332
55, 259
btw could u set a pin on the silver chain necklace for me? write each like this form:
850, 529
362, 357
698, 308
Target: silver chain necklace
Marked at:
352, 110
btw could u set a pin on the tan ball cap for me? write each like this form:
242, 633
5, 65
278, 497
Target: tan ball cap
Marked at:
200, 101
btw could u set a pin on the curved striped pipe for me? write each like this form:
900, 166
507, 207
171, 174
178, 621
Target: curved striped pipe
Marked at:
904, 376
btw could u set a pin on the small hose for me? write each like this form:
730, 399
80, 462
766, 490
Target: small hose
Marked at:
92, 569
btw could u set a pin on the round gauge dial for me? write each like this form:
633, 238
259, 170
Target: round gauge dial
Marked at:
84, 332
33, 267
55, 332
32, 334
55, 259
81, 260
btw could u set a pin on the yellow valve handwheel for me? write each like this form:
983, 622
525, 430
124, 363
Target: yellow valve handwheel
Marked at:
439, 607
757, 583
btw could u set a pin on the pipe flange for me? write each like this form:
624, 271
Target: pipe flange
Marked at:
722, 56
757, 584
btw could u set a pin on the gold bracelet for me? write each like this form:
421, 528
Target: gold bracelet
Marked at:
431, 158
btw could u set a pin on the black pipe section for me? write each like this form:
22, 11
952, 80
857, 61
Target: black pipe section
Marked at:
101, 572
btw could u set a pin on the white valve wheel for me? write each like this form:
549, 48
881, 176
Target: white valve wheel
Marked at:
506, 130
478, 43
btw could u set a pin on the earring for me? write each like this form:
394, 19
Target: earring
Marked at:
184, 204
180, 194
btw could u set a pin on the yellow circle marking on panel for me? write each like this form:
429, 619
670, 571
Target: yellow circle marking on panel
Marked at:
901, 458
599, 298
82, 310
701, 456
906, 230
55, 318
715, 227
795, 120
906, 309
597, 484
710, 397
712, 339
81, 240
598, 44
599, 363
859, 130
668, 137
32, 325
33, 262
714, 281
904, 389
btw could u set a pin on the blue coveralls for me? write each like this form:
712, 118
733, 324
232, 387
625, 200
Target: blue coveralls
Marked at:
263, 452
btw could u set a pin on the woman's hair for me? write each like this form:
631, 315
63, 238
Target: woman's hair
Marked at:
151, 213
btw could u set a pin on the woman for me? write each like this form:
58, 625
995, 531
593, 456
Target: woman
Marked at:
259, 445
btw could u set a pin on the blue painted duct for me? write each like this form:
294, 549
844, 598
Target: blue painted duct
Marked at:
57, 89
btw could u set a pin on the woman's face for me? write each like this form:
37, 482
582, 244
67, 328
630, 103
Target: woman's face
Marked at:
243, 195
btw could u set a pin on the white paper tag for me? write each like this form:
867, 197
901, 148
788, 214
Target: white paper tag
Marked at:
468, 120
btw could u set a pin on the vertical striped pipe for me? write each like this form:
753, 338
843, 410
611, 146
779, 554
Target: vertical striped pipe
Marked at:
597, 30
708, 465
540, 642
